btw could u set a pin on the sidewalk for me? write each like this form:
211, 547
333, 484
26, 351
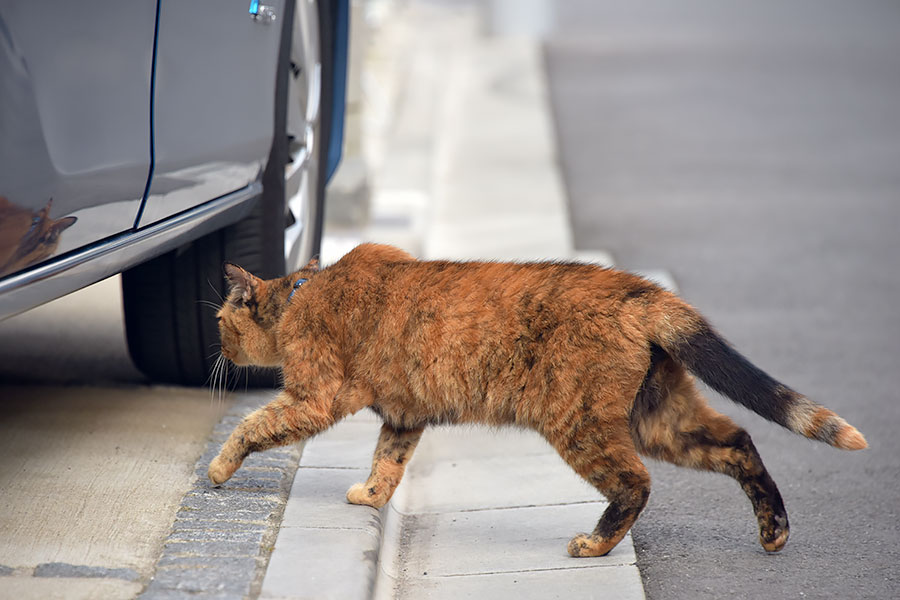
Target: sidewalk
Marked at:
488, 514
464, 166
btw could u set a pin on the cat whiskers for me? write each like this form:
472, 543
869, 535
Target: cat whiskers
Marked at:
218, 375
212, 305
216, 292
218, 378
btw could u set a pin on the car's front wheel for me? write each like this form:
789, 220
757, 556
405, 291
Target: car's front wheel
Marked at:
170, 302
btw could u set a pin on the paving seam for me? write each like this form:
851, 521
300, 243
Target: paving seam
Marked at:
490, 508
517, 571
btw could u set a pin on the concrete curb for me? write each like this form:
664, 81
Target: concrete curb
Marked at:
220, 541
327, 548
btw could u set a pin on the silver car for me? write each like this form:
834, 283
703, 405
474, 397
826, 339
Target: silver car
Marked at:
159, 140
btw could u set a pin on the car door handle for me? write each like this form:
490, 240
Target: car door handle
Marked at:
262, 13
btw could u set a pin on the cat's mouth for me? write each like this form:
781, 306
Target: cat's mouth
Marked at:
236, 357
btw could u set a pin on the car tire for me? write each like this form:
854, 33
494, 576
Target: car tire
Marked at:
170, 302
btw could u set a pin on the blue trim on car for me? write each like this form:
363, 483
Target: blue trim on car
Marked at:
140, 213
339, 87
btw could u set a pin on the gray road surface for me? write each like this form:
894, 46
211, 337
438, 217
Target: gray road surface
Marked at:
753, 148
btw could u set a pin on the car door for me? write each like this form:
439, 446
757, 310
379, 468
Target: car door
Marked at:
74, 123
213, 102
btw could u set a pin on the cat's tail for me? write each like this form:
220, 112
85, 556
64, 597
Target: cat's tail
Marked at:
691, 341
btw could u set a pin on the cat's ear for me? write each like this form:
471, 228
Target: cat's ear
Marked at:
45, 212
244, 282
61, 225
312, 265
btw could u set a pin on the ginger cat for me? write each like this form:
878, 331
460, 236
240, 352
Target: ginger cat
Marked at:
593, 359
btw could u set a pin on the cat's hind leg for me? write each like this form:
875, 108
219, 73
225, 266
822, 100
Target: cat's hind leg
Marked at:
393, 451
603, 453
672, 421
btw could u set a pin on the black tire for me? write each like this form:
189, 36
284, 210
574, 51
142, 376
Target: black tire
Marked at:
169, 301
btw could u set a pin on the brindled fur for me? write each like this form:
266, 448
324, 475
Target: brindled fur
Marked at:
595, 360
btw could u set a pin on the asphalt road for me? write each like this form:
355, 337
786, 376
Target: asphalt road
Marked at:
753, 149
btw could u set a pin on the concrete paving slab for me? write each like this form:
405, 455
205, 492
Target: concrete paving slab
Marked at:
123, 457
447, 531
589, 583
328, 548
68, 588
468, 441
349, 444
517, 236
502, 540
399, 211
493, 481
322, 564
495, 157
478, 467
318, 499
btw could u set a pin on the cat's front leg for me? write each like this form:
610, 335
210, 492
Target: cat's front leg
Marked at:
393, 451
292, 416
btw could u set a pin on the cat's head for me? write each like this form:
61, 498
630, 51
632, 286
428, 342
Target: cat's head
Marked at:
249, 317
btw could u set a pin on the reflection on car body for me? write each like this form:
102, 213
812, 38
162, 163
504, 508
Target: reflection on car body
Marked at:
28, 237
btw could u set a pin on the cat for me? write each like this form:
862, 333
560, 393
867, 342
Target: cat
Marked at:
28, 237
596, 360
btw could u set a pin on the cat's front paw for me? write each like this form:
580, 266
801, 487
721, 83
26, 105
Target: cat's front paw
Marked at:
221, 470
366, 496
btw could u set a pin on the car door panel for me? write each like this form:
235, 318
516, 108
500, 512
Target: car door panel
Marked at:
74, 123
214, 102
